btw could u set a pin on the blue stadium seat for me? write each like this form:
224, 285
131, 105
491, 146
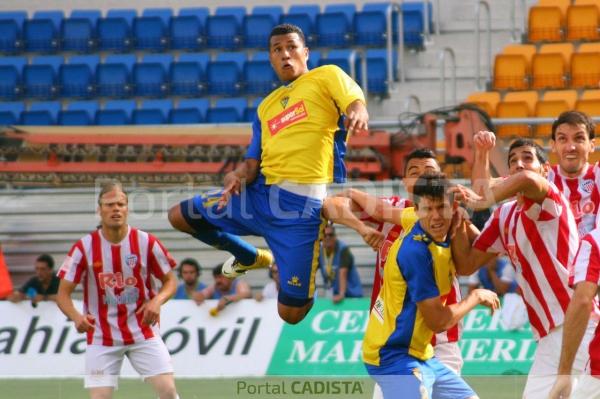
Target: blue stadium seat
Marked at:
227, 110
78, 113
188, 75
259, 77
334, 25
78, 32
224, 29
40, 78
10, 112
250, 112
11, 31
151, 30
187, 29
115, 31
348, 60
41, 33
305, 17
41, 114
224, 75
114, 76
151, 76
189, 111
412, 18
152, 112
377, 82
370, 25
115, 112
78, 78
314, 57
258, 25
11, 82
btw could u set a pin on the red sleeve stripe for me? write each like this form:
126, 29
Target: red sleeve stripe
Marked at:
137, 273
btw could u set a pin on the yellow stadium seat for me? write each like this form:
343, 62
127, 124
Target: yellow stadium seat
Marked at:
545, 24
511, 71
563, 5
551, 65
590, 107
582, 22
487, 100
516, 105
585, 69
590, 95
527, 50
586, 2
568, 96
589, 48
550, 109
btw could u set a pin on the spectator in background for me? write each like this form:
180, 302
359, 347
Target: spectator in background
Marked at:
43, 286
337, 267
190, 288
225, 290
497, 275
271, 289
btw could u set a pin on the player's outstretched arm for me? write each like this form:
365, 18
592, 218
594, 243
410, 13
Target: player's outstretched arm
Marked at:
481, 179
467, 259
244, 173
357, 117
377, 208
576, 320
339, 210
439, 317
65, 304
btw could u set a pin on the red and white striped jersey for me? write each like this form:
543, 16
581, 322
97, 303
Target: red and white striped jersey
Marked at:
541, 241
587, 268
582, 193
392, 232
117, 280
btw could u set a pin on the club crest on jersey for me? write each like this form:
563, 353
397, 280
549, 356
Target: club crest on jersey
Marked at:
587, 185
284, 101
131, 260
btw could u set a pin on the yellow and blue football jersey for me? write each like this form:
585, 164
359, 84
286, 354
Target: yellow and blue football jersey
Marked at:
294, 132
417, 268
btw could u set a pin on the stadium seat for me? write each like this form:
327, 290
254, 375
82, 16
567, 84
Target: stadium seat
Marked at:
377, 81
41, 114
258, 25
585, 66
224, 74
552, 105
115, 30
189, 111
187, 29
370, 25
41, 33
590, 95
115, 112
224, 29
516, 105
334, 25
259, 77
488, 101
151, 29
314, 57
114, 76
151, 76
188, 75
78, 32
590, 105
77, 79
305, 17
545, 24
582, 22
347, 59
562, 5
40, 78
250, 112
11, 31
78, 113
551, 65
568, 96
511, 71
10, 112
412, 18
227, 110
11, 82
152, 112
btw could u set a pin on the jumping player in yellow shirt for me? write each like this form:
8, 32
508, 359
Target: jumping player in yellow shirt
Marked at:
278, 191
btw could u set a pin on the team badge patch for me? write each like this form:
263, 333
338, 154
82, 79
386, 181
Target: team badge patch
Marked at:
587, 185
131, 260
284, 101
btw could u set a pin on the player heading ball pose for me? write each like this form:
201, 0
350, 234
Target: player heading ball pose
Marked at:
278, 191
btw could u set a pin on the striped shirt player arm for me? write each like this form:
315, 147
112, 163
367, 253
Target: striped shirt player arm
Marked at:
587, 262
75, 264
160, 261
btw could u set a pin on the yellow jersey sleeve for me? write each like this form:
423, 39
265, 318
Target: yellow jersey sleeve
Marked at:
341, 87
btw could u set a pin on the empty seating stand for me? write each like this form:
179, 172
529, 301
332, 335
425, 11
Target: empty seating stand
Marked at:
151, 29
188, 75
224, 29
11, 77
79, 31
11, 31
115, 30
41, 33
258, 25
334, 25
188, 29
77, 78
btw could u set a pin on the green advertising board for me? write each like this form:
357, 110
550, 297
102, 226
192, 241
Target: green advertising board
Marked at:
329, 342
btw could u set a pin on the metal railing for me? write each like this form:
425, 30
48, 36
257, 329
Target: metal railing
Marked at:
363, 69
399, 68
515, 31
436, 16
426, 32
488, 31
411, 99
442, 59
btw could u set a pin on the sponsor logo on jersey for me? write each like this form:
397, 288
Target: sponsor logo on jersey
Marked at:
295, 113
